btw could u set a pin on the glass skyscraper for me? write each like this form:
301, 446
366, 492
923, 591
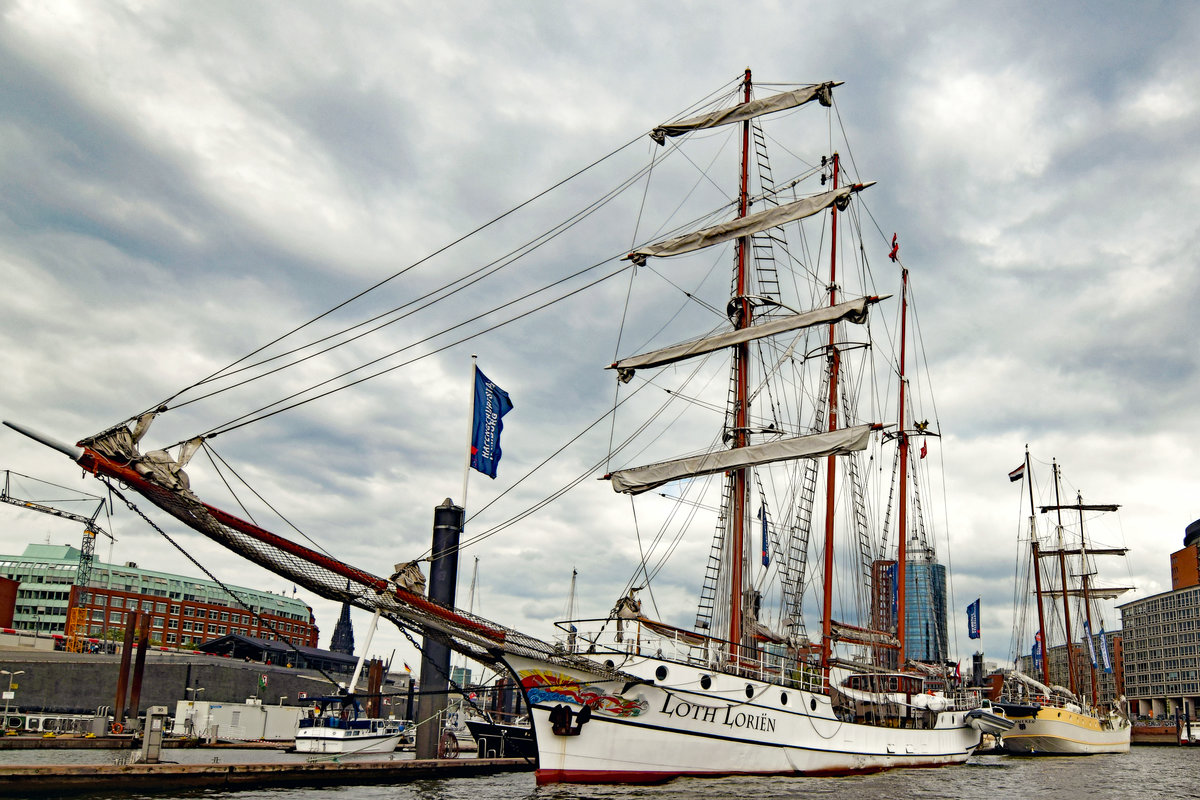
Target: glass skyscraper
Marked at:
926, 637
925, 634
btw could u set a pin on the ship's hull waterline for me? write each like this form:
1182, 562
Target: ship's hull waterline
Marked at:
667, 727
330, 742
1062, 732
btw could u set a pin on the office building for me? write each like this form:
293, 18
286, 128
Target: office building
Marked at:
1162, 640
183, 611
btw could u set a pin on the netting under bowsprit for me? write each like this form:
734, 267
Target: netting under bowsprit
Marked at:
114, 454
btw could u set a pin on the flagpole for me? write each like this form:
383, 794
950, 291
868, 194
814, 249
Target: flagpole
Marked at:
470, 433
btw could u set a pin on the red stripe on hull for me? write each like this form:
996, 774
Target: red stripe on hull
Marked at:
549, 776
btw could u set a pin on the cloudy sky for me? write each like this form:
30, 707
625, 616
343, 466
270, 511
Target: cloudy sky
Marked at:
183, 183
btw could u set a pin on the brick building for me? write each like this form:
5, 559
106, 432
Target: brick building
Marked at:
185, 612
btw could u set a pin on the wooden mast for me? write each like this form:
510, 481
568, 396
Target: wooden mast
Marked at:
1062, 566
1037, 571
831, 461
902, 521
741, 363
1087, 601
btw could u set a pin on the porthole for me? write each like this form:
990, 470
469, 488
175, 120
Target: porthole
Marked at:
705, 681
661, 673
783, 698
610, 664
749, 691
813, 704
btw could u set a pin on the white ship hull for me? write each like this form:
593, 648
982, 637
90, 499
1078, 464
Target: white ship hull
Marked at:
348, 740
1058, 731
671, 726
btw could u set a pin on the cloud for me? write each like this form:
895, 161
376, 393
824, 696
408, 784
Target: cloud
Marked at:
185, 185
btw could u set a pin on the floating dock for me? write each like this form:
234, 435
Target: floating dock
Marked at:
32, 781
126, 742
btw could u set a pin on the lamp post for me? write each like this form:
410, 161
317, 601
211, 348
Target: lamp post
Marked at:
190, 722
8, 691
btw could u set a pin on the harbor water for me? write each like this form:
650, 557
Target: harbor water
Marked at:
1146, 772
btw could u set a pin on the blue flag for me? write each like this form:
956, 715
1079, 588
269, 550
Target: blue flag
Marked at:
1104, 651
762, 514
973, 619
491, 403
1091, 643
1037, 651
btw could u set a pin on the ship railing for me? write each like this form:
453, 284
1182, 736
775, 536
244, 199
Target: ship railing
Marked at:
48, 722
624, 638
1047, 701
967, 698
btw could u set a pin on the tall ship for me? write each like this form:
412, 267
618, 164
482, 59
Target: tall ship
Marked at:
779, 424
1050, 718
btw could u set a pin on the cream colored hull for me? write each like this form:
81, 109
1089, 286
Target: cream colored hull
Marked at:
1057, 731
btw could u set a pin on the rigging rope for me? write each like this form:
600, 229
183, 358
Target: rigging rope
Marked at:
445, 291
463, 283
262, 412
211, 453
410, 267
236, 597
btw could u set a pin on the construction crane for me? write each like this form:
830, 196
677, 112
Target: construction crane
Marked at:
77, 622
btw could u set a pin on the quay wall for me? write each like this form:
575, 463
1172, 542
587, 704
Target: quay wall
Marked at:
78, 683
86, 781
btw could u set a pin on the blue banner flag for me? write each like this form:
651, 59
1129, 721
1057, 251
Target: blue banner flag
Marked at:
973, 619
1091, 643
1037, 651
762, 514
491, 403
1104, 651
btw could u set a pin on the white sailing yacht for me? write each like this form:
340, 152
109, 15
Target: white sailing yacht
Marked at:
337, 724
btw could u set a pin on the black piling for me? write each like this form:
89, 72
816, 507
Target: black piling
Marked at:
435, 661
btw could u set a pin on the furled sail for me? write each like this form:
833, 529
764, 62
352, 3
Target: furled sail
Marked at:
748, 225
1079, 551
858, 635
822, 92
641, 479
1082, 507
1040, 687
853, 310
1099, 592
